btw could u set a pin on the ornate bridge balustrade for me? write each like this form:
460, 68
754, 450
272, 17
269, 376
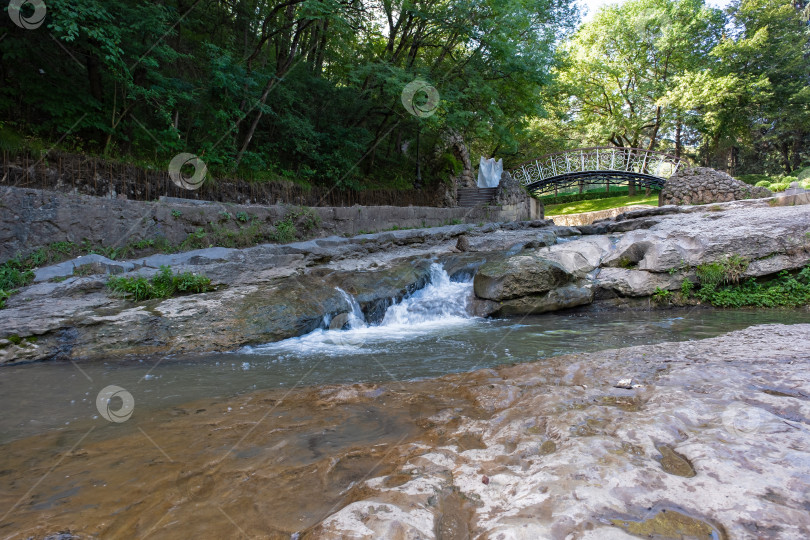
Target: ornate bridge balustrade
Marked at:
598, 165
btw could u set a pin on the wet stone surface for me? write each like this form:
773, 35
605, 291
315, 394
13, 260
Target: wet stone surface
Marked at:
540, 450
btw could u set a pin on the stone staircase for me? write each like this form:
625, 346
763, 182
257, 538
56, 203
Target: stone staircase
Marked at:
469, 197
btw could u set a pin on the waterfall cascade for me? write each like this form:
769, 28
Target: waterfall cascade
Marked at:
441, 303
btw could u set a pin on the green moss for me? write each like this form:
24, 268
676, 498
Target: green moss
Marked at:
625, 262
669, 524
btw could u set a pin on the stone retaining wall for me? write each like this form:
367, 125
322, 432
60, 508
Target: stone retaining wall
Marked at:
586, 218
32, 218
701, 185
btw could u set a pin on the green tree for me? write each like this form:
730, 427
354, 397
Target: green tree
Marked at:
308, 89
618, 69
752, 102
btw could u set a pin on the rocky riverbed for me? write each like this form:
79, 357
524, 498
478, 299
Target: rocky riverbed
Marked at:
700, 439
268, 293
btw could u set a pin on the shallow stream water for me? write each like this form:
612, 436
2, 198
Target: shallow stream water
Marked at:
429, 334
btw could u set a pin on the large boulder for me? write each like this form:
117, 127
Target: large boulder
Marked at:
567, 296
518, 276
688, 240
579, 257
702, 185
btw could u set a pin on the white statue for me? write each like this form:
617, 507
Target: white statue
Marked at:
489, 172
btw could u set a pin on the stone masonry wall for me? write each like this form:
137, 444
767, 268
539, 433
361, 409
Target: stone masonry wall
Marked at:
33, 218
701, 185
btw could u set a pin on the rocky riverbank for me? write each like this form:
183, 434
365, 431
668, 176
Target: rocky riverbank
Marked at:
699, 439
272, 292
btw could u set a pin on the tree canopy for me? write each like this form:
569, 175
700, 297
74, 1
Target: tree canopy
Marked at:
311, 89
670, 74
299, 88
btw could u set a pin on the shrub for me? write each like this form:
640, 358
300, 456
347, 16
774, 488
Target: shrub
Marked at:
285, 231
13, 274
804, 174
164, 284
788, 180
778, 187
754, 178
763, 183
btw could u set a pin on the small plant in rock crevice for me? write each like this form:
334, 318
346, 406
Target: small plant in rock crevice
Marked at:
164, 284
661, 296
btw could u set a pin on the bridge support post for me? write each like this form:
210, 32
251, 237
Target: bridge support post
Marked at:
536, 209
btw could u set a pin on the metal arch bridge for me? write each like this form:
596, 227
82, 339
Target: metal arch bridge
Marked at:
603, 165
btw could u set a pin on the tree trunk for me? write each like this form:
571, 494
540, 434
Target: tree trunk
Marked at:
678, 144
94, 78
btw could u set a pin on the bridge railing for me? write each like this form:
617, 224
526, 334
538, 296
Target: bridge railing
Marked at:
598, 158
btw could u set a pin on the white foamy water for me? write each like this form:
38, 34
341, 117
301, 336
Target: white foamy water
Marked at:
442, 303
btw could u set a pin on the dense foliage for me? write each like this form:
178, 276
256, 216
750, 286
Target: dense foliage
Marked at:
784, 291
729, 89
720, 284
310, 89
304, 89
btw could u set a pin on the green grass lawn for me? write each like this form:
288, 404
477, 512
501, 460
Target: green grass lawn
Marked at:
599, 204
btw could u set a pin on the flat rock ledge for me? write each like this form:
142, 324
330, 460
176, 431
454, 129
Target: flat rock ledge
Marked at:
714, 432
264, 293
